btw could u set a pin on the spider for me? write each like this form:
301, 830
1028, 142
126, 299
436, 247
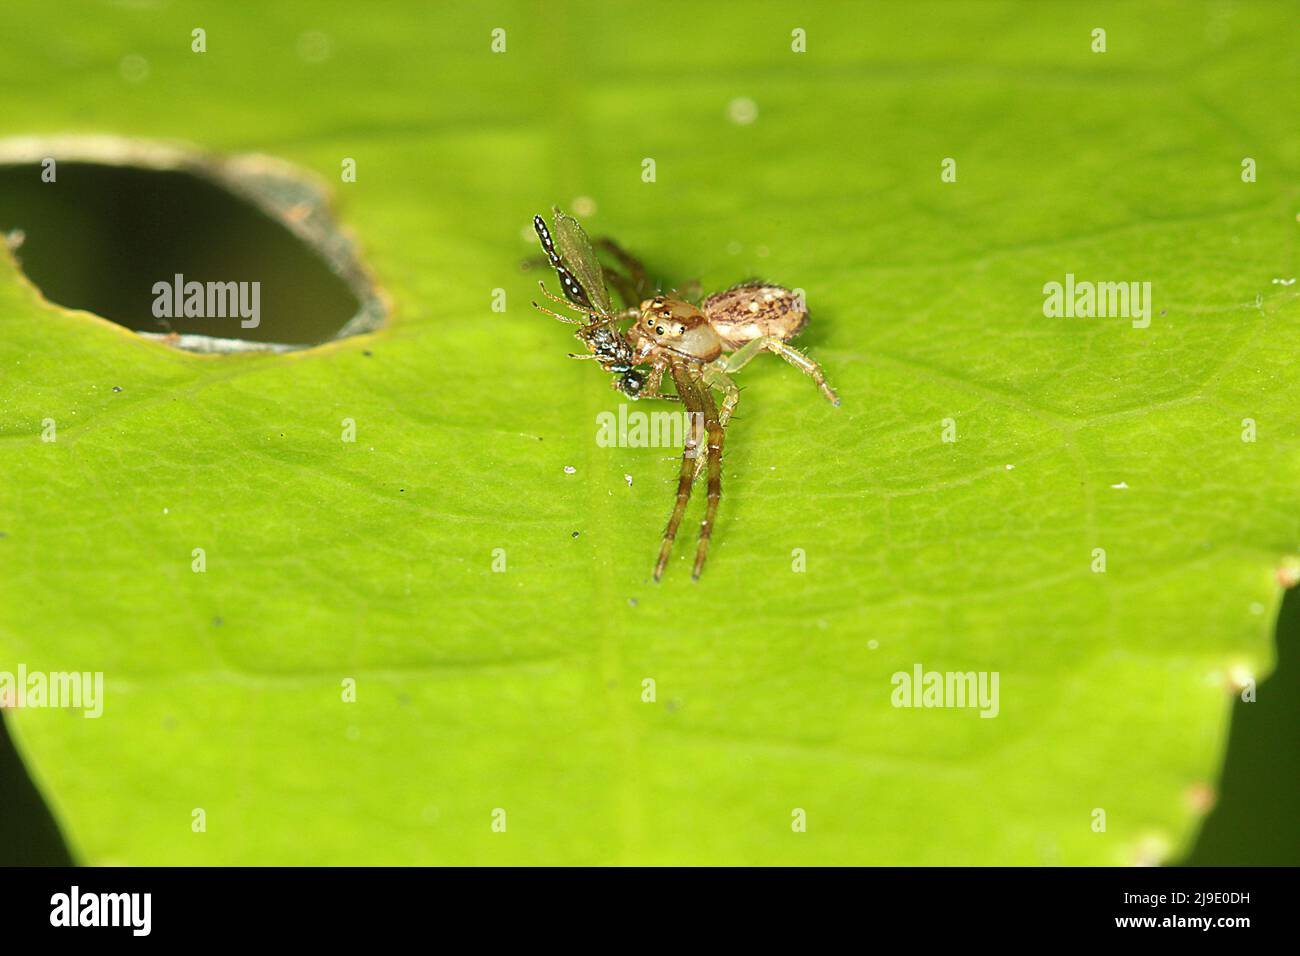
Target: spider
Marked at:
698, 345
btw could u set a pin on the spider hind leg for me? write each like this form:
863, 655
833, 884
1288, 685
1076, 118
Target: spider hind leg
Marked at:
641, 287
770, 343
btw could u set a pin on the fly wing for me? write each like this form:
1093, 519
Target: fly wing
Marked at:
577, 253
569, 283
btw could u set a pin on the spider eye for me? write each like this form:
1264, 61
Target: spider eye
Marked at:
659, 330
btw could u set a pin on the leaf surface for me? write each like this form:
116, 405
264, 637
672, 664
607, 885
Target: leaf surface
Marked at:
522, 690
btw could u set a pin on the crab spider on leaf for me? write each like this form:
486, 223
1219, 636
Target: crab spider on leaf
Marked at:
658, 335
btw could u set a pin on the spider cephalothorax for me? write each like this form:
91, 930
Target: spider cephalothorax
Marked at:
669, 322
698, 345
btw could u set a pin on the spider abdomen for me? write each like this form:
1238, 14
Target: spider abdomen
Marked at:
747, 312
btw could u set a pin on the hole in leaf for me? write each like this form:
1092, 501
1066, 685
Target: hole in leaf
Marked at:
108, 225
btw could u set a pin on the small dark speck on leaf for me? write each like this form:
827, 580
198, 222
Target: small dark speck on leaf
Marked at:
367, 353
216, 622
575, 534
631, 602
117, 388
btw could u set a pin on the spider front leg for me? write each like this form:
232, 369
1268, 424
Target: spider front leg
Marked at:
654, 383
622, 284
704, 425
692, 290
653, 388
641, 286
716, 377
690, 396
713, 492
770, 343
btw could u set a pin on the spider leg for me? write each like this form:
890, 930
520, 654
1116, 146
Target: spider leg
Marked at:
654, 385
743, 355
655, 381
715, 377
806, 365
770, 343
713, 495
642, 287
622, 285
686, 477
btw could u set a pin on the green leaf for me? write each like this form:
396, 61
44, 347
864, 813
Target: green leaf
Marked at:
477, 690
